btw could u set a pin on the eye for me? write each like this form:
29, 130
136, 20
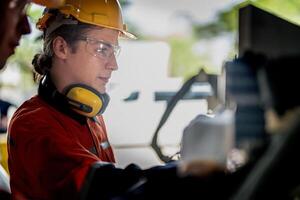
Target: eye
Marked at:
103, 49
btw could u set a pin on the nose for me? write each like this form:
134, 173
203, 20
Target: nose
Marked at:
112, 64
24, 27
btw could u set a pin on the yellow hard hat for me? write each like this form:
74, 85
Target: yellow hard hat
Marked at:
104, 13
50, 3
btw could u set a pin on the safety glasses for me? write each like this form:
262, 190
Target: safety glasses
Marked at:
101, 49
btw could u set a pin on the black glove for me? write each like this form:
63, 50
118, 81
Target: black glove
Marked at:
105, 181
163, 182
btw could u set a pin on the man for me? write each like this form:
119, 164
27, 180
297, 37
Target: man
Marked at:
57, 136
14, 24
52, 147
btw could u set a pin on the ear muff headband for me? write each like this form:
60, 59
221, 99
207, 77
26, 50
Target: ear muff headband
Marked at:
85, 100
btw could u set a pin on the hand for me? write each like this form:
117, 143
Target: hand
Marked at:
200, 168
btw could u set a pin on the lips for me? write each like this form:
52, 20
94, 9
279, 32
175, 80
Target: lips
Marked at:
14, 43
12, 46
104, 79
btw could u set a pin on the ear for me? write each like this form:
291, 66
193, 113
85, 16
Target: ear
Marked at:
60, 47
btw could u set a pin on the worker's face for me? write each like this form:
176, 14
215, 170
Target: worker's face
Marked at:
94, 61
13, 25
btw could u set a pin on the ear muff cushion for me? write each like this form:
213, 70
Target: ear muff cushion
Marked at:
85, 100
105, 100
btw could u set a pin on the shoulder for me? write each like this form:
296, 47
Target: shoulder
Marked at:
32, 107
32, 113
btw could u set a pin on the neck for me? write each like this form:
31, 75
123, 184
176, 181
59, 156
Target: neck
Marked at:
59, 76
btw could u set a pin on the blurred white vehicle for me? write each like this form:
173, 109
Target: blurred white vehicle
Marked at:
138, 91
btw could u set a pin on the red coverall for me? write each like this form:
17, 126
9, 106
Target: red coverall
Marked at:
50, 152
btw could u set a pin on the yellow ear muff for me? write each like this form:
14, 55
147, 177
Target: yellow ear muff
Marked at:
86, 100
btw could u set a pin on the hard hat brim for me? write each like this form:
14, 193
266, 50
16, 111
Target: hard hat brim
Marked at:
128, 35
